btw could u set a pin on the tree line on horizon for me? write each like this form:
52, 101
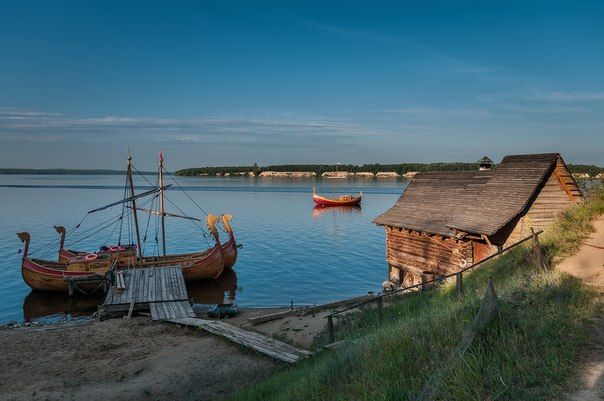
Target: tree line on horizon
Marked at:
319, 169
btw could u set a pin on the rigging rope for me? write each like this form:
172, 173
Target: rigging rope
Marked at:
203, 230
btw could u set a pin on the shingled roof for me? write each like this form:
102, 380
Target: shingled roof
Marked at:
479, 202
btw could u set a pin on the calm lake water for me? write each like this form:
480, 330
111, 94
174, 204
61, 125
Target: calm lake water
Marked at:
291, 251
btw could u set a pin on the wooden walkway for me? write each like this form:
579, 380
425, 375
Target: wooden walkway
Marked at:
256, 341
160, 290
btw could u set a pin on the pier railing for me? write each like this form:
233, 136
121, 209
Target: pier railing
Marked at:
425, 284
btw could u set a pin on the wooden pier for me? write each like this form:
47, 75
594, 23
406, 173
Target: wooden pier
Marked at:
160, 290
266, 345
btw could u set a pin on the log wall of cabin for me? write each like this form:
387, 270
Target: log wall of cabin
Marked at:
410, 253
554, 197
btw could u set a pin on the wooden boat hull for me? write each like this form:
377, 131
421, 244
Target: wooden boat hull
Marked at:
47, 275
229, 253
125, 257
342, 201
65, 255
43, 277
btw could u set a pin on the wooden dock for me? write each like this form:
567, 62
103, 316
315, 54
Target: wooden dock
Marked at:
160, 290
256, 341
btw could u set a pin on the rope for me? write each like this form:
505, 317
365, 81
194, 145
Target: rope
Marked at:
189, 196
180, 210
110, 234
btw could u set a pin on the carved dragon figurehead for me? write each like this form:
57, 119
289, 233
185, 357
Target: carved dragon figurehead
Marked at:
25, 238
211, 222
63, 233
226, 221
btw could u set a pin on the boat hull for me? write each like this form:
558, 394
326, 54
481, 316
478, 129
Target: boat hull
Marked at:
345, 201
229, 253
46, 278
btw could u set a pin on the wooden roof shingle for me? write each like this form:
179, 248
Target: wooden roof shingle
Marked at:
479, 202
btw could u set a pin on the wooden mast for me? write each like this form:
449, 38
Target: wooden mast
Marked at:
161, 201
131, 181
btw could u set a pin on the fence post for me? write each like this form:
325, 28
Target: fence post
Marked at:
537, 253
423, 287
332, 337
459, 283
379, 309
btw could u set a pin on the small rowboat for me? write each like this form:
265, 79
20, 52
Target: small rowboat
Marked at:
344, 200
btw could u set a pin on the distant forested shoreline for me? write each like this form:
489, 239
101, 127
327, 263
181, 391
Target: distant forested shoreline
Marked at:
319, 169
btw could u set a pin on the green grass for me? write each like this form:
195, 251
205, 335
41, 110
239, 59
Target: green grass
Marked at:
531, 350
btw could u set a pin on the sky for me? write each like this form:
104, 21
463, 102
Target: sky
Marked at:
233, 83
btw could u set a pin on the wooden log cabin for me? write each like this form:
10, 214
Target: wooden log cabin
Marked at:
445, 221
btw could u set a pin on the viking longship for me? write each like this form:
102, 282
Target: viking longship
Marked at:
41, 274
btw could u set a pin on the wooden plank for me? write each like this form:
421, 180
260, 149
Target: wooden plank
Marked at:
271, 316
484, 316
171, 310
130, 309
256, 341
151, 287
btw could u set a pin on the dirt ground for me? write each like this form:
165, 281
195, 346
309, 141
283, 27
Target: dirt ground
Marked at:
588, 264
125, 359
136, 359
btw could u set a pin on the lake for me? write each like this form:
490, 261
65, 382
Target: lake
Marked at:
291, 251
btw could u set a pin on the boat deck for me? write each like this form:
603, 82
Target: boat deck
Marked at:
160, 290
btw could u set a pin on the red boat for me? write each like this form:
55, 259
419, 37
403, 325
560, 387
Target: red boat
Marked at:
344, 200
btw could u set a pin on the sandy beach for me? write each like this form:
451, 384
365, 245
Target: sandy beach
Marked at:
136, 359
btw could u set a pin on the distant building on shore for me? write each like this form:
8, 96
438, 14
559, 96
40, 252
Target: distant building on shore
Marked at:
445, 221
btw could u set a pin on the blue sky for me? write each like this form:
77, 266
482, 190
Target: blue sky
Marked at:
220, 83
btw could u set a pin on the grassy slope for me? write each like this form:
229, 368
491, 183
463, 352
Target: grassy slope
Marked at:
529, 352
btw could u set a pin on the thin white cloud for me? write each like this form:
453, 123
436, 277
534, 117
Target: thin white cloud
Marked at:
566, 97
421, 111
32, 125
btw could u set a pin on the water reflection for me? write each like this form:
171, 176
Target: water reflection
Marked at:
50, 306
39, 305
214, 291
319, 211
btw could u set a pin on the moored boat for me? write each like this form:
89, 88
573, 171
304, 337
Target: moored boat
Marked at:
41, 274
344, 200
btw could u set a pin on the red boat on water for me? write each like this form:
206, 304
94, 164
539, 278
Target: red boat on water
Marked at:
344, 200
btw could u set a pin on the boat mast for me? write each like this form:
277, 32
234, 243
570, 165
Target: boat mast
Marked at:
161, 201
130, 180
336, 178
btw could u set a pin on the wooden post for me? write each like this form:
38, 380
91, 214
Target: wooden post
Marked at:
379, 309
71, 284
487, 310
332, 337
423, 287
536, 251
459, 283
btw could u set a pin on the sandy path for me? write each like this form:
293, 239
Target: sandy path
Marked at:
588, 264
124, 359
